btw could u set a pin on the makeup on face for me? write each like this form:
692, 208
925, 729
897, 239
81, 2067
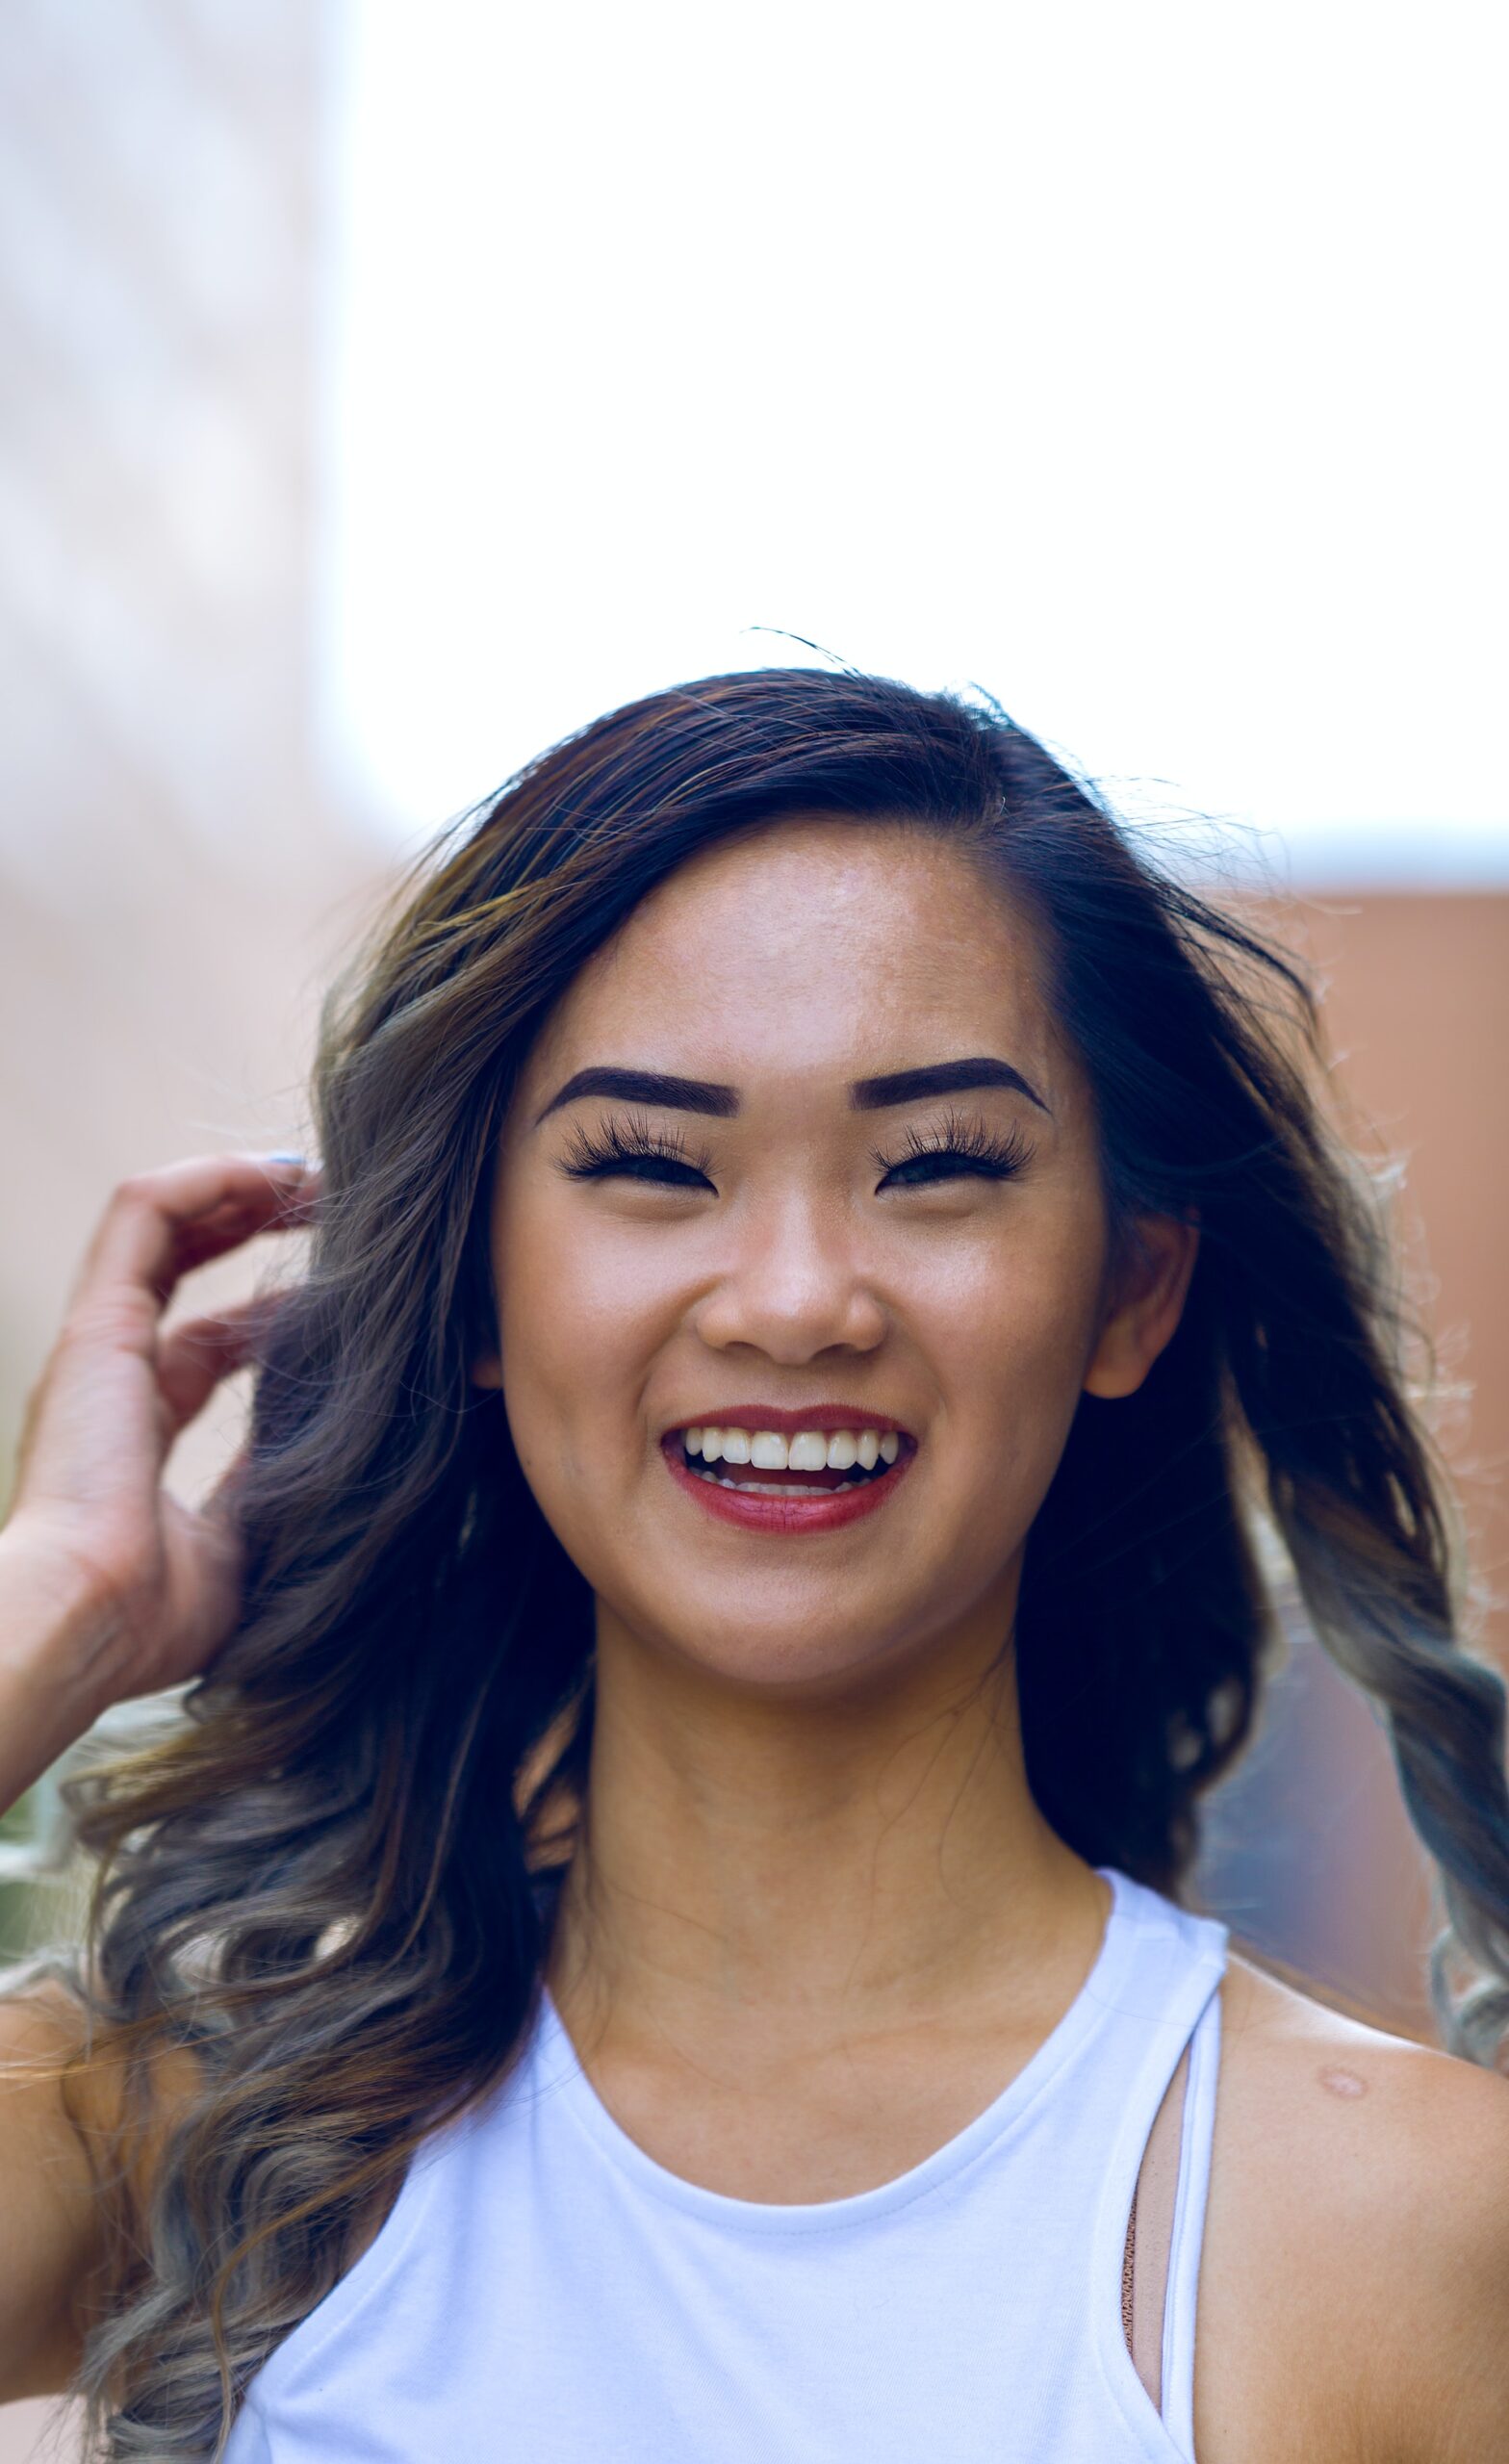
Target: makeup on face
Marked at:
829, 1463
796, 1229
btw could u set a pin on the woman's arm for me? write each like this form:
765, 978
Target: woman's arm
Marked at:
59, 2127
1354, 2283
56, 1634
48, 2216
1447, 2356
110, 1587
52, 1632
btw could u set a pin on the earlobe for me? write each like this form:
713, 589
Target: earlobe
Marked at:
487, 1370
1146, 1305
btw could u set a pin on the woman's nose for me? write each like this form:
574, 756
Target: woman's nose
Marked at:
797, 1285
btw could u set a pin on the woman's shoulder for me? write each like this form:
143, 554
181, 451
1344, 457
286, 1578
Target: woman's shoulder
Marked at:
64, 2131
1359, 2211
1294, 2066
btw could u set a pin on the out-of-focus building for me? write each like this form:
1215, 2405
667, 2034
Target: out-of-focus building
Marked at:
172, 876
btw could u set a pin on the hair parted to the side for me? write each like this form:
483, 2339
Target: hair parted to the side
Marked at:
320, 1889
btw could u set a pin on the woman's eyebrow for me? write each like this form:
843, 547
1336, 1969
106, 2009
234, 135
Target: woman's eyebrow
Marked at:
940, 1078
865, 1094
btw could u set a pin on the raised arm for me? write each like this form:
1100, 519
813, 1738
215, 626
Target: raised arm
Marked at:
109, 1588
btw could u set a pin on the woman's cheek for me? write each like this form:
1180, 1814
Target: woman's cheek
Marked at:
567, 1297
1016, 1342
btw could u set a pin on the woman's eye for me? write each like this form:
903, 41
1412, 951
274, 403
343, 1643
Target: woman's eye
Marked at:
633, 1152
974, 1152
667, 1170
915, 1172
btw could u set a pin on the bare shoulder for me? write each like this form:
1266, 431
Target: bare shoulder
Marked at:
61, 2106
1359, 2204
66, 2128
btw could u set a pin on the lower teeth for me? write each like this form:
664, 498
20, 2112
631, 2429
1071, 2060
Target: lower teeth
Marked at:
777, 1489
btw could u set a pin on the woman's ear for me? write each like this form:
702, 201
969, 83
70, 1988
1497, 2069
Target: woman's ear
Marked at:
1147, 1301
487, 1370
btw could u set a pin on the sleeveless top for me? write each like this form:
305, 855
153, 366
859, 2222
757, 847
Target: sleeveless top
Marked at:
544, 2291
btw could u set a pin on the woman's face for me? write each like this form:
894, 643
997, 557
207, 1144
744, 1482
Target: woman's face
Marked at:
796, 1259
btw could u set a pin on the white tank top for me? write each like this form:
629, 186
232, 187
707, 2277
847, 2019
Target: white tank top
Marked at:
543, 2292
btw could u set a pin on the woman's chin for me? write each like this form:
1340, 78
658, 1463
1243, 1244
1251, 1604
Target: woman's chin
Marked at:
813, 1651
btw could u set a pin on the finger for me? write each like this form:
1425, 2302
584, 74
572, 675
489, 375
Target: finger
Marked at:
157, 1224
198, 1355
225, 1227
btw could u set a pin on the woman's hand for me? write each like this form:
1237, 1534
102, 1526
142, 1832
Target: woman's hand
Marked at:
109, 1587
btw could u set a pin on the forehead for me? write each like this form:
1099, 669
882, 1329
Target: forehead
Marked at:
816, 935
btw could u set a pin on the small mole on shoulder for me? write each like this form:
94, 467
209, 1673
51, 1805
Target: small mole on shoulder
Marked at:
1343, 2082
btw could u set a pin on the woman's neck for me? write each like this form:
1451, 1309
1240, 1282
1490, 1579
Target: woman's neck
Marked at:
816, 1868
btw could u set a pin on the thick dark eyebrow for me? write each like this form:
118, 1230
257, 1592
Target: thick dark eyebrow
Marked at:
865, 1094
940, 1078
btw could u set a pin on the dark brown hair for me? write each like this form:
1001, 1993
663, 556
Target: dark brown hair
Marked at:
325, 1885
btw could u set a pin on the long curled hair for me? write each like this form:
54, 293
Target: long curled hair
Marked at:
325, 1887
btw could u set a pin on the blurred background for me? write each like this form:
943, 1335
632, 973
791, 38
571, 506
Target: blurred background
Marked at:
387, 390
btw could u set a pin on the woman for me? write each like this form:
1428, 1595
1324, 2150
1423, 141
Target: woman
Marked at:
660, 1934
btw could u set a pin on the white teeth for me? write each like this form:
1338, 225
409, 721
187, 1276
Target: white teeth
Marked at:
810, 1449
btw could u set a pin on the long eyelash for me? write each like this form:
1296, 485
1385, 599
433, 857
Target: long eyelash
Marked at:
630, 1138
625, 1140
968, 1139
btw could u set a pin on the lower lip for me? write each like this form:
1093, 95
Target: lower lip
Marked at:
785, 1517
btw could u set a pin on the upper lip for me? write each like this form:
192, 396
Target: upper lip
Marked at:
786, 1423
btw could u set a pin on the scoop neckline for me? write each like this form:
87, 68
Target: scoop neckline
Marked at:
560, 2069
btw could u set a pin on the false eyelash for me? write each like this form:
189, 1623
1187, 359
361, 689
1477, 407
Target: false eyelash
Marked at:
968, 1141
620, 1142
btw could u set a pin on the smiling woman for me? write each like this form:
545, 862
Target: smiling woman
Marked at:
666, 1930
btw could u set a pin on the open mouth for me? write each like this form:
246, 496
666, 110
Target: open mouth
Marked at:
819, 1481
831, 1481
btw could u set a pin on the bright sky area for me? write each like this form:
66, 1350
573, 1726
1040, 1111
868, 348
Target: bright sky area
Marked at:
1145, 365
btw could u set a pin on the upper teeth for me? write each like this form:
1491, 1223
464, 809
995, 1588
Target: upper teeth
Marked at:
811, 1450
